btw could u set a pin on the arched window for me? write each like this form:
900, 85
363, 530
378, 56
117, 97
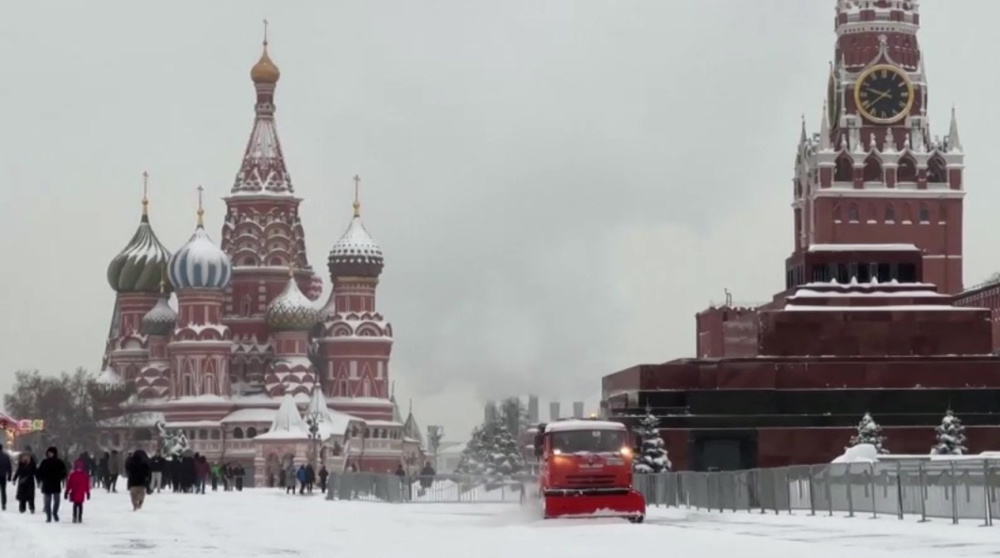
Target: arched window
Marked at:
873, 169
890, 214
907, 170
237, 433
215, 434
852, 213
251, 432
925, 214
936, 171
245, 305
845, 169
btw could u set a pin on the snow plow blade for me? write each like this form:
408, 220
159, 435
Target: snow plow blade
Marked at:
628, 504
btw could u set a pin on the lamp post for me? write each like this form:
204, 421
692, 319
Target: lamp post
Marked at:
313, 422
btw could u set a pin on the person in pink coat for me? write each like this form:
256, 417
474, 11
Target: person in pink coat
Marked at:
78, 489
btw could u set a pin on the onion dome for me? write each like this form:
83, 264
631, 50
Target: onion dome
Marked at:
265, 71
356, 254
200, 264
108, 388
160, 320
138, 267
291, 310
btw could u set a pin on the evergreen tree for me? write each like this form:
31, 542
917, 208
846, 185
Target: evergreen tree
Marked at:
950, 436
652, 456
502, 456
869, 432
471, 461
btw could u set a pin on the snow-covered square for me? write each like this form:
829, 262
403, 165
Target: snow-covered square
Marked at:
266, 522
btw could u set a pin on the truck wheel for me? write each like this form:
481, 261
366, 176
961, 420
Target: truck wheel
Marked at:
636, 519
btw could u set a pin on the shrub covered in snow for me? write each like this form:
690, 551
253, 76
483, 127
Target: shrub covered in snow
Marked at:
950, 436
869, 432
652, 456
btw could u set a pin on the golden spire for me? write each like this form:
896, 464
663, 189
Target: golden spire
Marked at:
357, 196
265, 71
201, 210
145, 193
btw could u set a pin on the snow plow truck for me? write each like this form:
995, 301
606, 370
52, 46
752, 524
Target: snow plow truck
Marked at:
586, 470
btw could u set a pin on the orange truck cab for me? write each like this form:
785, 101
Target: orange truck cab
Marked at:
586, 470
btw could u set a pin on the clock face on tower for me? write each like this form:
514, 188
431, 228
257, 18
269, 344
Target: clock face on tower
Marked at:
883, 94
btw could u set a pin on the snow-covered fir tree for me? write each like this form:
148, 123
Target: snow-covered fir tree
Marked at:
869, 432
950, 436
491, 452
652, 456
471, 461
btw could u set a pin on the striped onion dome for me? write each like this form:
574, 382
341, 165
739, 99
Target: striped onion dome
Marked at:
291, 310
139, 267
356, 254
160, 320
200, 264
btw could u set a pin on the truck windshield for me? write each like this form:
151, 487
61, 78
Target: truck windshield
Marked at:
595, 441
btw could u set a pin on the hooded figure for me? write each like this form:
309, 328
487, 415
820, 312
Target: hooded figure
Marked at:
25, 479
78, 488
140, 473
51, 474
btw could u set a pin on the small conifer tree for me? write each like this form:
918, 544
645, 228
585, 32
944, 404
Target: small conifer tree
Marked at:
869, 432
950, 436
652, 456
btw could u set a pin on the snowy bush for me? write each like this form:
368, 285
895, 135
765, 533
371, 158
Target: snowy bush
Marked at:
652, 456
869, 432
950, 436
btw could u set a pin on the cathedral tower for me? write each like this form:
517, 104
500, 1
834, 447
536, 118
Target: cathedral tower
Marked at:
874, 174
262, 234
354, 340
201, 345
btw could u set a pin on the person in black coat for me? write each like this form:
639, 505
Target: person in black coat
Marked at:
6, 473
51, 474
25, 479
140, 472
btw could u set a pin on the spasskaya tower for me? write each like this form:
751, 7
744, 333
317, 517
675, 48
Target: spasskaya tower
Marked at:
875, 174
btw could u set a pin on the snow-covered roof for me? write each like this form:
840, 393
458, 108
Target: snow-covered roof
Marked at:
287, 423
854, 284
361, 401
575, 424
863, 248
911, 308
383, 424
356, 245
915, 293
331, 422
139, 266
250, 415
144, 419
263, 171
161, 318
108, 377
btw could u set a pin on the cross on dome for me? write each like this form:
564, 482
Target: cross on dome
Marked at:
201, 210
145, 193
357, 196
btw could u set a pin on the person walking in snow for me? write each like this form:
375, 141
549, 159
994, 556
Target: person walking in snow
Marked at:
78, 489
139, 474
51, 474
290, 475
239, 472
6, 473
25, 479
323, 475
157, 465
114, 471
302, 477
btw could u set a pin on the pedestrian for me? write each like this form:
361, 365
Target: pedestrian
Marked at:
157, 465
114, 470
78, 489
6, 473
290, 476
139, 473
51, 474
25, 479
323, 475
302, 477
240, 472
215, 471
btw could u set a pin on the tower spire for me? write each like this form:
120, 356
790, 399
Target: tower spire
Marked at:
954, 141
145, 193
201, 210
357, 196
824, 129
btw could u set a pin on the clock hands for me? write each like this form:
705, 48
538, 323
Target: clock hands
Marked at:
881, 95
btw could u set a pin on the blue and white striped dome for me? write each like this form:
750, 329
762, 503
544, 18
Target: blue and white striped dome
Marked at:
200, 264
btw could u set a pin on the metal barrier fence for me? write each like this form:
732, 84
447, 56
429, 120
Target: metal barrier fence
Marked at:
383, 487
961, 489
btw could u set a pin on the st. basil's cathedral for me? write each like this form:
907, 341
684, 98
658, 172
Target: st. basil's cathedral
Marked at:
247, 363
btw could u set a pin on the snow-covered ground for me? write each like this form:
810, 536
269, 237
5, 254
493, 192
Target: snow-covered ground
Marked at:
265, 522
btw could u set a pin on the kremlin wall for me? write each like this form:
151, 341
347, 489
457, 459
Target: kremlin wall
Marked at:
872, 316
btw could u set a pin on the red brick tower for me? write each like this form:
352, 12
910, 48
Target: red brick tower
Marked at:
874, 174
354, 340
262, 235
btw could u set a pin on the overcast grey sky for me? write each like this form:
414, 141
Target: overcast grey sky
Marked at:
558, 185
